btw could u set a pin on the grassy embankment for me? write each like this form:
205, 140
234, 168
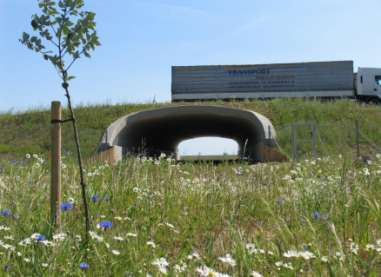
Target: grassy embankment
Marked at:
29, 132
317, 217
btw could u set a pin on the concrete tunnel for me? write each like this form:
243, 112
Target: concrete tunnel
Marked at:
155, 131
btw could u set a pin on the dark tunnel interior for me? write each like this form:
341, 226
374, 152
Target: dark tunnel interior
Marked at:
154, 135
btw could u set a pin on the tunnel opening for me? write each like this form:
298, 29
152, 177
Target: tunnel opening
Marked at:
154, 132
208, 148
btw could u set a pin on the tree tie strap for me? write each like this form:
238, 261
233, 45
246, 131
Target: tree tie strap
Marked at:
54, 121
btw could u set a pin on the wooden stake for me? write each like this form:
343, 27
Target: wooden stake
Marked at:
55, 189
294, 142
357, 130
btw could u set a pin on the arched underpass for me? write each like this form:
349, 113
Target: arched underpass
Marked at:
156, 131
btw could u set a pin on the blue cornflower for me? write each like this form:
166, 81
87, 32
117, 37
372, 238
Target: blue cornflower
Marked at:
6, 212
95, 197
39, 237
104, 224
84, 266
65, 206
280, 200
316, 215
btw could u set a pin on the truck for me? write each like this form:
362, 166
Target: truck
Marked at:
330, 79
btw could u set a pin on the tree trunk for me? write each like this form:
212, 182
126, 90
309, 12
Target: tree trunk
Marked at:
80, 163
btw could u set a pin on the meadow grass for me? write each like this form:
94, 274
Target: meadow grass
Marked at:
312, 218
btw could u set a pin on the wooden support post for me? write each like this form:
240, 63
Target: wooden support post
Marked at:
55, 189
357, 127
314, 140
294, 142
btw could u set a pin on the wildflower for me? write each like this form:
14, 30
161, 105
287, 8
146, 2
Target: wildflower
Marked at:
307, 255
237, 171
44, 265
316, 215
324, 259
194, 256
205, 271
136, 190
95, 236
84, 265
27, 156
118, 218
251, 248
287, 178
227, 259
65, 206
169, 225
133, 235
115, 252
354, 248
291, 254
256, 274
118, 238
104, 225
340, 256
71, 200
284, 265
151, 243
59, 237
161, 264
27, 260
4, 228
25, 242
47, 243
366, 171
38, 237
178, 268
280, 200
5, 212
95, 197
7, 246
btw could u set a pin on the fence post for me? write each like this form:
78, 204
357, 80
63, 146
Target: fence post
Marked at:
55, 188
357, 130
314, 140
294, 142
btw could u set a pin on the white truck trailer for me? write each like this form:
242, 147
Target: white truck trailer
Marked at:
335, 79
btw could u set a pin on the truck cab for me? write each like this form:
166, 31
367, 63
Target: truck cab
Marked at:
368, 83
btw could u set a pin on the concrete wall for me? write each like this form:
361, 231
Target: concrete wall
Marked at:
156, 131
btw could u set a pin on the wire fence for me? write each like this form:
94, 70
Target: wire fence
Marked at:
347, 137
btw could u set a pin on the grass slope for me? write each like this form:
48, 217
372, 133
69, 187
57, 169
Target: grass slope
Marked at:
29, 132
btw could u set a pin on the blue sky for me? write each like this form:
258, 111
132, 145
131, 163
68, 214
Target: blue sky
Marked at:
142, 39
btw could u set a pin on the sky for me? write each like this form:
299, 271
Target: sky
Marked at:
142, 39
